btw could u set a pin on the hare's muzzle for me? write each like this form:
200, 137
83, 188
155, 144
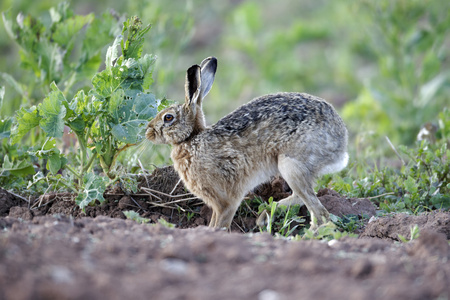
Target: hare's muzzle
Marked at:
150, 133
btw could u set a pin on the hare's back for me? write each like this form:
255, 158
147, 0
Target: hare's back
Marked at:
287, 112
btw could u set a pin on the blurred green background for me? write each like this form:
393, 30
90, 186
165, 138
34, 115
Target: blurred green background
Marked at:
383, 64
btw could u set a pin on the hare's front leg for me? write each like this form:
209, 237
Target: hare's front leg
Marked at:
223, 214
213, 221
301, 181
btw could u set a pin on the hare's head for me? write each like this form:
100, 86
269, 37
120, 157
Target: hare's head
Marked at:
181, 122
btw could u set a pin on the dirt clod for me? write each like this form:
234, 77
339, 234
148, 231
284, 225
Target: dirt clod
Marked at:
7, 201
20, 213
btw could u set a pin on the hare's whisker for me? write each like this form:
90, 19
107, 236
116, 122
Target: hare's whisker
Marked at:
143, 146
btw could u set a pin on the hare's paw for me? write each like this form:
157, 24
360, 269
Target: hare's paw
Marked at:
322, 218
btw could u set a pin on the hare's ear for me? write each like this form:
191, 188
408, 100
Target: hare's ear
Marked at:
192, 86
209, 67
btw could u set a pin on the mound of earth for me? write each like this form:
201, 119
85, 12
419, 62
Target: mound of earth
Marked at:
105, 258
341, 206
401, 224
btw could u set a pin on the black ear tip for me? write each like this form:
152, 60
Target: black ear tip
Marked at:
210, 63
213, 63
213, 59
192, 70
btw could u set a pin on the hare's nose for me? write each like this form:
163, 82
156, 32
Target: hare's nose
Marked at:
150, 133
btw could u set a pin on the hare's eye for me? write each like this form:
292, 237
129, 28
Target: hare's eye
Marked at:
168, 118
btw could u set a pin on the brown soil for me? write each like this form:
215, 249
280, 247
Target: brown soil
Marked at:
50, 249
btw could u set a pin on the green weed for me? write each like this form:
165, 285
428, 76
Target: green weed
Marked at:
165, 223
327, 231
282, 220
190, 215
414, 234
348, 223
132, 215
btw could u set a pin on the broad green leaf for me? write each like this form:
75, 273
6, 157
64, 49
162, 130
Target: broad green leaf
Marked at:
27, 119
115, 102
93, 188
18, 168
82, 106
109, 80
77, 114
70, 28
77, 124
52, 112
139, 74
54, 163
49, 144
131, 116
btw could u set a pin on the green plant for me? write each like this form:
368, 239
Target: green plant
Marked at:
65, 49
410, 85
132, 215
190, 215
281, 220
349, 223
327, 231
421, 181
166, 223
414, 234
106, 120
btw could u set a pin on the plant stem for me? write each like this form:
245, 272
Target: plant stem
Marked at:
68, 186
74, 172
105, 167
89, 163
119, 151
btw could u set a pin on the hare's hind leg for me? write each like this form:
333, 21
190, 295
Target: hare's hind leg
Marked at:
291, 200
301, 181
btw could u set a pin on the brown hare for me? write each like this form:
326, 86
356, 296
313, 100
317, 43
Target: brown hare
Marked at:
295, 135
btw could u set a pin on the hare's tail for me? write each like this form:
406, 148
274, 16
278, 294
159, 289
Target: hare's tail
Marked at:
336, 166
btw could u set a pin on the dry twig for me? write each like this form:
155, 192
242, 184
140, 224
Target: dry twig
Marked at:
20, 197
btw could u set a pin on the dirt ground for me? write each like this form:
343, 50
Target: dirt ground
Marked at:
49, 249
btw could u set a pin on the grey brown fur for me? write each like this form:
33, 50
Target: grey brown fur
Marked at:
295, 135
